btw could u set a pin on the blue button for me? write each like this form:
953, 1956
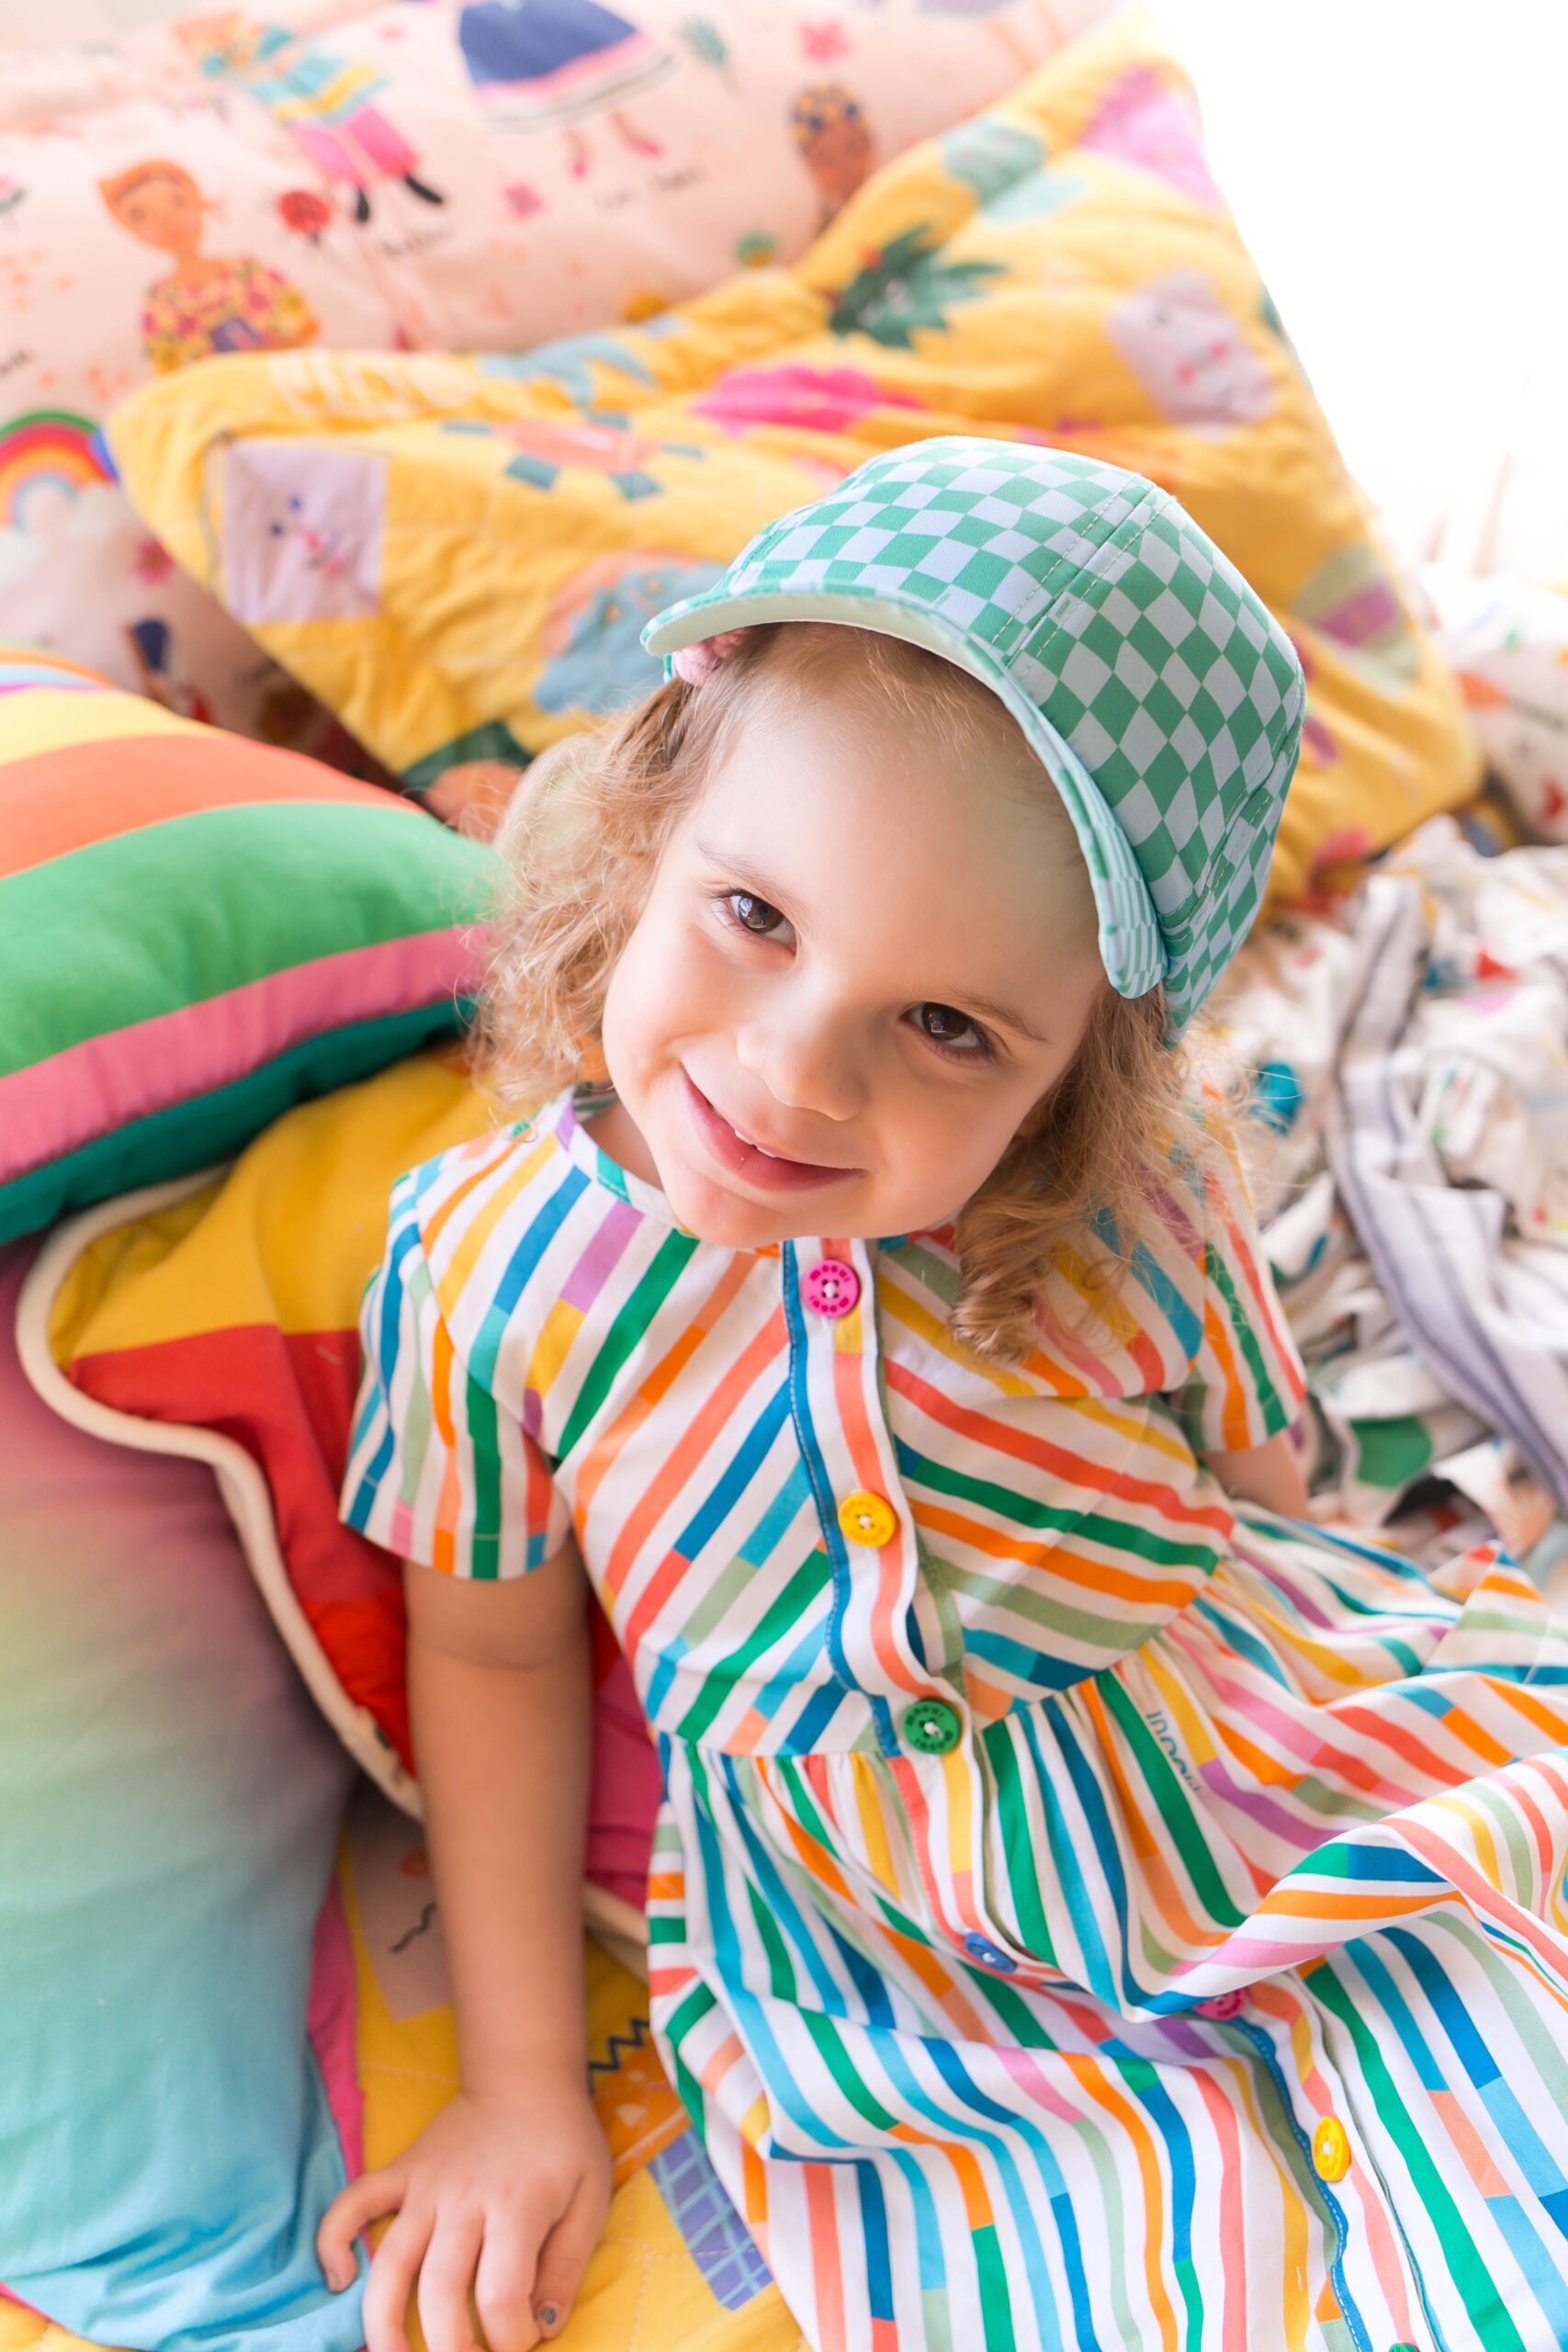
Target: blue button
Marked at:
981, 1948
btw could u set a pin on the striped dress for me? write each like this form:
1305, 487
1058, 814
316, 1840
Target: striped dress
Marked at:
1080, 1917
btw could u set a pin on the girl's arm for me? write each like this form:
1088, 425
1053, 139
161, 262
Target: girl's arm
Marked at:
1270, 1475
507, 2192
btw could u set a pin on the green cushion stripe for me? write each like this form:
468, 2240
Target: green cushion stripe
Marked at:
177, 913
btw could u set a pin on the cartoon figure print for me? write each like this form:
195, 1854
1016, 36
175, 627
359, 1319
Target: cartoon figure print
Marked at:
327, 101
995, 10
1353, 599
604, 443
1191, 355
207, 304
595, 660
538, 64
151, 646
1153, 123
835, 143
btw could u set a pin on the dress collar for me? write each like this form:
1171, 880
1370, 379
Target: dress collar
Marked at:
562, 1118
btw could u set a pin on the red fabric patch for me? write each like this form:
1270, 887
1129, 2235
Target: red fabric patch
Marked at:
287, 1400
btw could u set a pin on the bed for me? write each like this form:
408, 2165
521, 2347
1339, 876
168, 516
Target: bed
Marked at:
220, 1976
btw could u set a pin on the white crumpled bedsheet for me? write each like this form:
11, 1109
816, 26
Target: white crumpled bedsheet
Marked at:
1408, 1142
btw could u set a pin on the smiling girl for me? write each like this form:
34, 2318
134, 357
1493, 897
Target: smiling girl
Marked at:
1065, 1929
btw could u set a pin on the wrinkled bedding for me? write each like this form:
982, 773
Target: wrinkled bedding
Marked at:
458, 555
1404, 1050
347, 175
1408, 1052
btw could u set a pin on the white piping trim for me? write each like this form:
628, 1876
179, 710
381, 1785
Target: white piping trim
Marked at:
247, 1498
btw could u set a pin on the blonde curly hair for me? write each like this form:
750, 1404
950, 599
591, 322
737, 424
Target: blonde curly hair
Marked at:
581, 841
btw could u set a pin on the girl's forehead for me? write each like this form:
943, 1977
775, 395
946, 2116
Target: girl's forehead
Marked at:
893, 841
906, 800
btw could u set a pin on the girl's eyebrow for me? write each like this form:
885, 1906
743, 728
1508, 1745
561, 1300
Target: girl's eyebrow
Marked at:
756, 884
1006, 1016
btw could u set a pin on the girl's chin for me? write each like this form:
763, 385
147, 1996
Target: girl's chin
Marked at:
703, 1205
712, 1213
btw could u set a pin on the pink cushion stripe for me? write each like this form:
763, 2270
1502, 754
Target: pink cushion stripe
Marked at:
331, 2025
109, 1081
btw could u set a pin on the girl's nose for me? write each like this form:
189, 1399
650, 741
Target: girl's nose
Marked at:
809, 1063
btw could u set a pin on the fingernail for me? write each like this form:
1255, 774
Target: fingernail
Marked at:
337, 2279
548, 2314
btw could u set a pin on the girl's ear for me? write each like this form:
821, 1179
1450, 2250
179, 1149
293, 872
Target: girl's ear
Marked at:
695, 662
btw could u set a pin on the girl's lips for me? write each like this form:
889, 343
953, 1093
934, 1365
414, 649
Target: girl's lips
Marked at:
742, 1158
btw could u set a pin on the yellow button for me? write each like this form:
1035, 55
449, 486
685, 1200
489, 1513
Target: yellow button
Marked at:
868, 1519
1331, 2149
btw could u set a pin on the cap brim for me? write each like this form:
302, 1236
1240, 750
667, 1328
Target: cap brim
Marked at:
1131, 946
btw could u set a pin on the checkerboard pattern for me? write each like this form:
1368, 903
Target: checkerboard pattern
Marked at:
1116, 632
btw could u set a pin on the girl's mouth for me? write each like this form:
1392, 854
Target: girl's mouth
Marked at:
739, 1155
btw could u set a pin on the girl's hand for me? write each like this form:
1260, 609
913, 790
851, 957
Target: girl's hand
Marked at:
505, 2197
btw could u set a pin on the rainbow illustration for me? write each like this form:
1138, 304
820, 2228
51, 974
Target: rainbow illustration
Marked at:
48, 449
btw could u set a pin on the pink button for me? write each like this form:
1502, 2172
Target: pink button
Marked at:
831, 1287
1223, 2005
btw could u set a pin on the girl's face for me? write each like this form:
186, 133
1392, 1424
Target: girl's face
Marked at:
860, 967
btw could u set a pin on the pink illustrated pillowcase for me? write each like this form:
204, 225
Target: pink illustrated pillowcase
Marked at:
368, 175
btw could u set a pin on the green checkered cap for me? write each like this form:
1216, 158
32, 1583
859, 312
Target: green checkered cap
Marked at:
1159, 692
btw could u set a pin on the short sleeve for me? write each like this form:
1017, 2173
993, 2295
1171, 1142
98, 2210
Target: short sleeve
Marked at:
1246, 1383
435, 1472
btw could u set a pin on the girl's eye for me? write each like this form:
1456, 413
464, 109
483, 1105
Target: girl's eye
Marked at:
755, 915
953, 1031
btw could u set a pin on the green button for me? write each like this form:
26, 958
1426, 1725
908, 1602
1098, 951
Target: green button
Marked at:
932, 1728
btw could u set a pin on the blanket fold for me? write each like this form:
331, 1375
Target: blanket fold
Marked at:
458, 554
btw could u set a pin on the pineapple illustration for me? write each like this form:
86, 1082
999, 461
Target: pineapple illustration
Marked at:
906, 288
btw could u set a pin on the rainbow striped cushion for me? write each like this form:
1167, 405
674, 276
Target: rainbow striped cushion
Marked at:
194, 932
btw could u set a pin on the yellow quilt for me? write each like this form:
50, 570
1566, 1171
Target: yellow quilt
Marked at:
458, 555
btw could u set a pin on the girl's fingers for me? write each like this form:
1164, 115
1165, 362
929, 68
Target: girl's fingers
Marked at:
503, 2291
444, 2276
563, 2257
392, 2273
353, 2210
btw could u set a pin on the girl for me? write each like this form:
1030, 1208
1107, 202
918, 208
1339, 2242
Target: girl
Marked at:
1089, 1907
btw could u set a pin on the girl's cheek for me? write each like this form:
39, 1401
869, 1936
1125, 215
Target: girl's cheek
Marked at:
695, 976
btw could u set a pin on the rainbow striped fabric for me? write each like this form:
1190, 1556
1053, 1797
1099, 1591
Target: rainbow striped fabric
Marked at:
194, 932
1079, 1917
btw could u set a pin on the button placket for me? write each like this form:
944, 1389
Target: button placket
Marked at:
840, 1417
1338, 2218
816, 1358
